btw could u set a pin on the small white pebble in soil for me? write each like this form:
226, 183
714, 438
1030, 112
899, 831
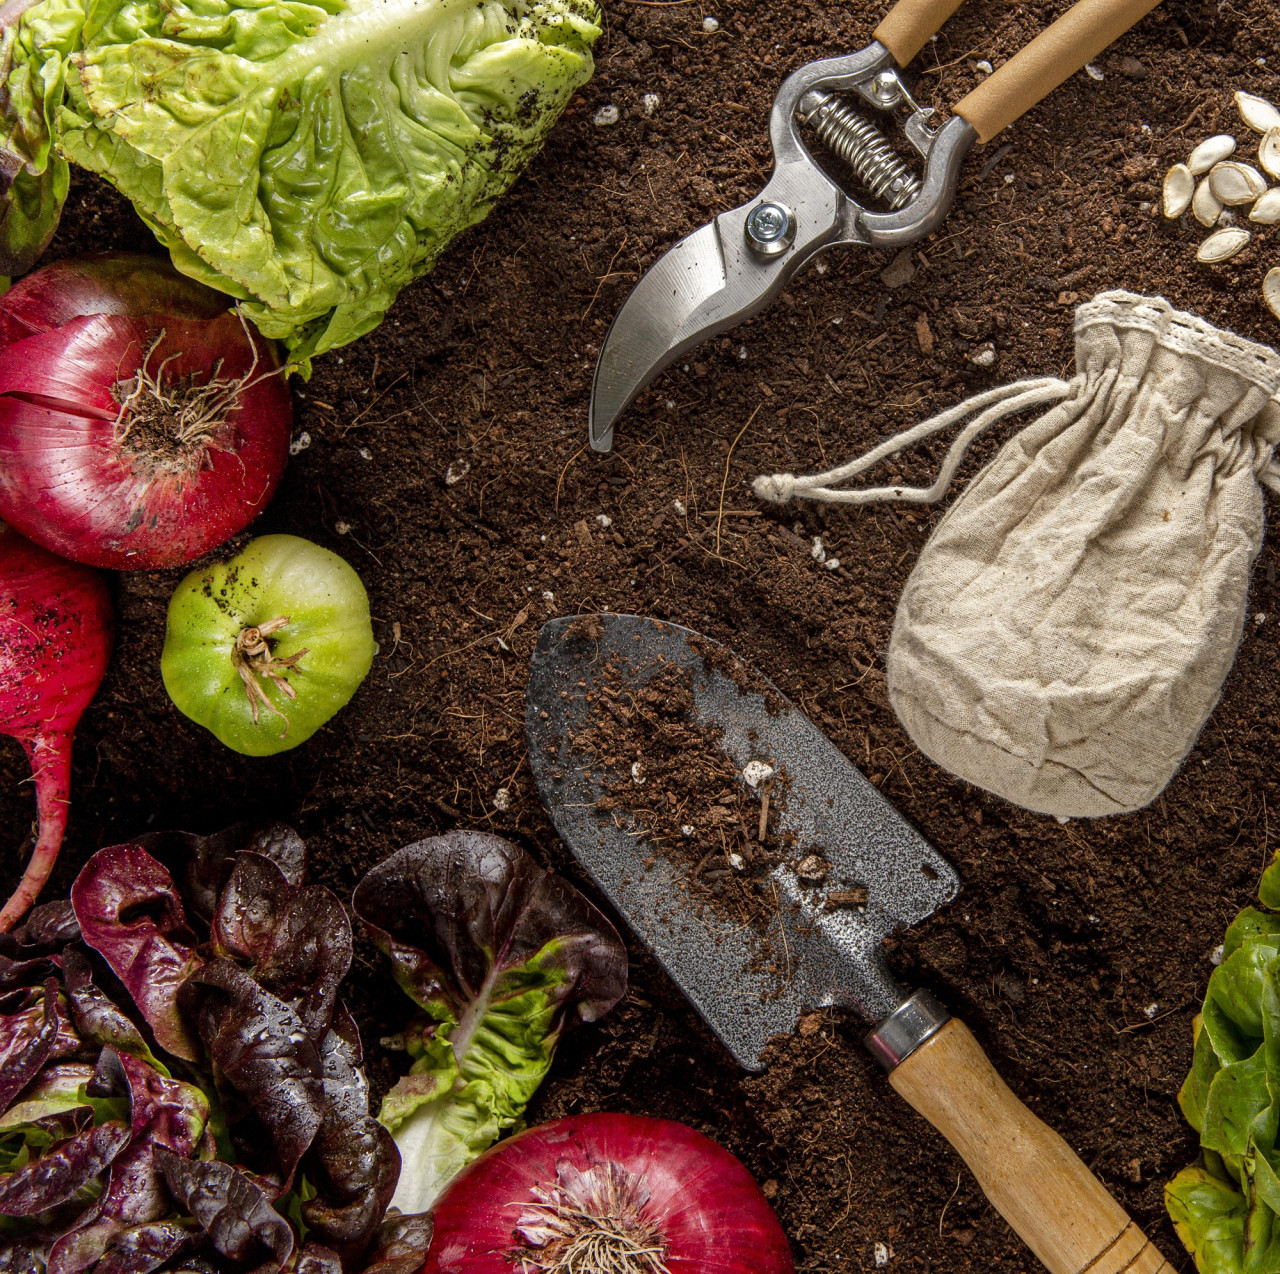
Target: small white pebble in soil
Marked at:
742, 353
1093, 71
604, 519
882, 1254
821, 267
832, 564
637, 773
606, 116
456, 472
710, 25
679, 507
1064, 819
502, 800
300, 443
984, 356
984, 67
671, 404
1035, 981
1260, 618
1217, 955
1009, 179
686, 830
365, 453
817, 552
650, 102
736, 862
839, 318
1146, 130
756, 772
342, 528
548, 596
395, 1043
812, 867
1151, 1010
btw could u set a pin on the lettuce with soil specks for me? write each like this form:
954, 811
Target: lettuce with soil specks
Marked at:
501, 955
1226, 1208
307, 158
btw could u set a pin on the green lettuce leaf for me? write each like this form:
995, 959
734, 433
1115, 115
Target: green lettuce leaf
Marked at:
307, 158
1226, 1209
502, 956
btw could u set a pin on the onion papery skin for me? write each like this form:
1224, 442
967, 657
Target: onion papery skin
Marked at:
55, 643
77, 477
709, 1210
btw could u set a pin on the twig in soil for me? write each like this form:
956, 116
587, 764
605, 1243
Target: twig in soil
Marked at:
725, 481
764, 810
782, 928
945, 1206
567, 463
605, 277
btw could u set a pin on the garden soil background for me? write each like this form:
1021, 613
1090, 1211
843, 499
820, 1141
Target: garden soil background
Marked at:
1077, 952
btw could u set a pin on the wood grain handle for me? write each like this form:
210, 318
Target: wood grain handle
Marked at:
1033, 1178
910, 23
1057, 52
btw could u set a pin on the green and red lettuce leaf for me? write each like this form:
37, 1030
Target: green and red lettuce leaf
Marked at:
502, 956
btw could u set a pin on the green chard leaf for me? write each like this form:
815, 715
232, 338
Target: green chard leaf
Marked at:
501, 955
1226, 1209
309, 159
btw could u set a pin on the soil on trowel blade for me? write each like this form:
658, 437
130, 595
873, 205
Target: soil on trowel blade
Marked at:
1077, 953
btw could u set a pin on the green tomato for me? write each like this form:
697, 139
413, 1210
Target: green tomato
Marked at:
262, 650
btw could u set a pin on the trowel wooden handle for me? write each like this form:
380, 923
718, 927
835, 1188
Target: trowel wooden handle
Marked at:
1057, 52
1033, 1178
910, 23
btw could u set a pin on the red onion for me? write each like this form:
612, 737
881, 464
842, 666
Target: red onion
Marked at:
55, 641
142, 422
621, 1194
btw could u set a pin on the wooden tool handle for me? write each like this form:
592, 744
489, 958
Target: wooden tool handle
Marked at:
1033, 1178
910, 23
1057, 52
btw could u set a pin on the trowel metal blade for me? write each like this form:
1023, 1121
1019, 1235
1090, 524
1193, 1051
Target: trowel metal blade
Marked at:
822, 956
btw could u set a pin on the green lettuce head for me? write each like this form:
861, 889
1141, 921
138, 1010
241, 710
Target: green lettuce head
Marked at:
1226, 1209
308, 159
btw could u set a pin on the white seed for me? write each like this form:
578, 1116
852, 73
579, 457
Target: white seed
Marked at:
1179, 186
1269, 152
1271, 291
1266, 212
1094, 72
756, 772
606, 116
710, 24
1235, 183
1205, 205
1212, 150
1257, 112
1222, 245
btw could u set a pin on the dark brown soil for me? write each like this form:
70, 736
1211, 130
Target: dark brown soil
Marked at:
1075, 952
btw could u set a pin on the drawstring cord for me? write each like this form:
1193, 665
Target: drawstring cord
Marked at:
992, 406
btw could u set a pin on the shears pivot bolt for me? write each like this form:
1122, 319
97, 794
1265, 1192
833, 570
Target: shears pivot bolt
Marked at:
770, 229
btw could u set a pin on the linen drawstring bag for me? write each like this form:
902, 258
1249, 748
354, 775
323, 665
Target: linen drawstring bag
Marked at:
1068, 626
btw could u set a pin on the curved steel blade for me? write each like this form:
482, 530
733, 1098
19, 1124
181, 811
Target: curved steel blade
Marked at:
707, 283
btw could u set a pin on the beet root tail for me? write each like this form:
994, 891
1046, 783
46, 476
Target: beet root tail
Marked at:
50, 756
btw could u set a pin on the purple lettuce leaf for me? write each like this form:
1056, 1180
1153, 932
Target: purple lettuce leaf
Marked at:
262, 1049
204, 863
62, 1171
231, 1208
28, 1038
400, 1244
130, 913
98, 1019
458, 913
50, 926
315, 1258
139, 1249
298, 938
353, 1163
24, 1255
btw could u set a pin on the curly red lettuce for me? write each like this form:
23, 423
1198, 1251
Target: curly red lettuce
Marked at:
502, 956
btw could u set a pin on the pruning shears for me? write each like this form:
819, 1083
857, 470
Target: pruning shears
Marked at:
733, 267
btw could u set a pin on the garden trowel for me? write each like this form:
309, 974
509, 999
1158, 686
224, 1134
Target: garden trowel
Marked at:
823, 955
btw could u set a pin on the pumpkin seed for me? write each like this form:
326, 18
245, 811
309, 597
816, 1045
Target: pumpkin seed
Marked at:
1211, 151
1257, 112
1266, 212
1179, 186
1269, 152
1205, 205
1221, 245
1271, 291
1235, 183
